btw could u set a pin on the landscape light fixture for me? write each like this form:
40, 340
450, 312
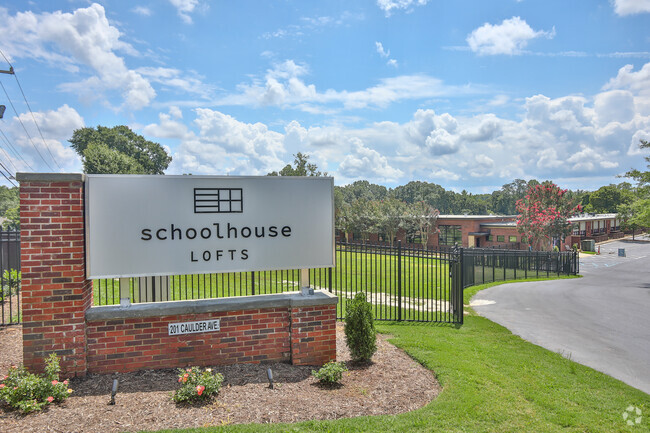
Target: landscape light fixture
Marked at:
114, 391
269, 374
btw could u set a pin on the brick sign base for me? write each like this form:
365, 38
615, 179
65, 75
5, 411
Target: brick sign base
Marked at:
293, 328
58, 317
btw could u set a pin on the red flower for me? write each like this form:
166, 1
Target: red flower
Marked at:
50, 399
2, 385
54, 382
200, 389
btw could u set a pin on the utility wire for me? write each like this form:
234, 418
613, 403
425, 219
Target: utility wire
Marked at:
8, 179
9, 158
13, 176
24, 128
11, 146
30, 110
13, 72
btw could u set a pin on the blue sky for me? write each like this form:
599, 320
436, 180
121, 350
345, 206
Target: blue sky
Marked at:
466, 94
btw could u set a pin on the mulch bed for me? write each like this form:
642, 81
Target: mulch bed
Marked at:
393, 383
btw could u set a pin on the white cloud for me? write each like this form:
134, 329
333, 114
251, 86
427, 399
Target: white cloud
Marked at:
224, 145
366, 163
630, 7
441, 142
142, 10
489, 129
570, 137
57, 127
184, 8
176, 79
381, 51
385, 54
168, 126
442, 175
510, 37
614, 106
313, 24
284, 86
388, 6
82, 38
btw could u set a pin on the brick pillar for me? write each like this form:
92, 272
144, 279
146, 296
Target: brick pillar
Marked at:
55, 292
313, 335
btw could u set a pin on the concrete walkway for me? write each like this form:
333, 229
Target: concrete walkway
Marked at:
601, 320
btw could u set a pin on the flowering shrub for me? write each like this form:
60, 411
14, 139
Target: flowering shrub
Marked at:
28, 392
544, 214
330, 373
197, 385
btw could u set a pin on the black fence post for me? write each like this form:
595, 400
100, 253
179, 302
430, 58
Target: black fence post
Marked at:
252, 282
399, 280
329, 279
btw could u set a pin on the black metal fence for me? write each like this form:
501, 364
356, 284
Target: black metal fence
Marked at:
10, 278
402, 284
485, 265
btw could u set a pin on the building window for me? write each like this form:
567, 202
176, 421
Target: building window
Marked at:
449, 235
501, 238
512, 238
490, 238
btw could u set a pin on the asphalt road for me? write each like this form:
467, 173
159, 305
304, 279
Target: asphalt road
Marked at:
601, 320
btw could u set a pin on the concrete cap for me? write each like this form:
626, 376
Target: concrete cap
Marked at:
50, 177
173, 308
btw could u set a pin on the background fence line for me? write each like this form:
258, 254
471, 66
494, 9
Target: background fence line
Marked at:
401, 283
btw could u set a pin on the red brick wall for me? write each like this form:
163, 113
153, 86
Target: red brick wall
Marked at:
249, 336
300, 335
55, 294
313, 335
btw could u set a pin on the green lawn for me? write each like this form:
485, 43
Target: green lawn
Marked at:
493, 381
425, 278
422, 277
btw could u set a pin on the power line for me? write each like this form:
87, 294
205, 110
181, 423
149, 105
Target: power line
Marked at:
11, 146
5, 176
13, 72
9, 158
24, 128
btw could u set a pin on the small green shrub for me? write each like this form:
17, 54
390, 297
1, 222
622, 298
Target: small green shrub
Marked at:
10, 281
27, 392
360, 333
330, 373
197, 385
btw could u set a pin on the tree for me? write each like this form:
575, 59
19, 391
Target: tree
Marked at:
9, 197
390, 217
12, 221
302, 168
363, 217
642, 177
607, 199
118, 150
422, 219
544, 214
637, 213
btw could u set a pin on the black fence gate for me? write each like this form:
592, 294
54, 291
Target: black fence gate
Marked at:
10, 278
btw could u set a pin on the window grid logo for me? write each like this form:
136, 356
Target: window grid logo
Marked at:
632, 415
218, 200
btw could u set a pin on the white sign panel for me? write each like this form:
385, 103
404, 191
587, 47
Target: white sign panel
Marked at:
194, 327
175, 225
